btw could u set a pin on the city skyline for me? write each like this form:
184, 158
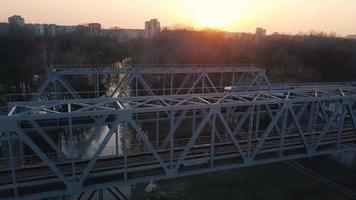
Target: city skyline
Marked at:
289, 17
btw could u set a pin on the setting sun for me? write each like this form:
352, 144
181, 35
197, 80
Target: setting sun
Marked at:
212, 13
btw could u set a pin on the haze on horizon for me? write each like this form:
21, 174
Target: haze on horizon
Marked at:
284, 16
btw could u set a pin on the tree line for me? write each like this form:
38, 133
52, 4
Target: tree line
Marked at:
24, 56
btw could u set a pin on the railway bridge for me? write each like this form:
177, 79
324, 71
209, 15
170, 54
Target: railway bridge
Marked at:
200, 120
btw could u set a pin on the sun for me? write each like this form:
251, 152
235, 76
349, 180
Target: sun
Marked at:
213, 13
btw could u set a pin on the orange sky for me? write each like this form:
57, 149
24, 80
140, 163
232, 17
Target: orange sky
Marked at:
287, 16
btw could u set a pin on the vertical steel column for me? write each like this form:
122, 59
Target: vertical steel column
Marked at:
340, 126
314, 122
310, 121
71, 145
157, 130
250, 130
283, 132
117, 140
125, 148
164, 84
13, 172
172, 84
193, 120
203, 83
101, 194
171, 154
71, 141
220, 81
21, 149
97, 91
56, 91
232, 81
212, 141
136, 84
258, 115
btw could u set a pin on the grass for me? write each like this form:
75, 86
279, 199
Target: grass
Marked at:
274, 181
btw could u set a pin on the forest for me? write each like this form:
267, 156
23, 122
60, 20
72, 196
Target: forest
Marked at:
316, 57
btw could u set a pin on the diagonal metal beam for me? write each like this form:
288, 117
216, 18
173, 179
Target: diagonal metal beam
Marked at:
300, 131
69, 88
271, 116
217, 134
42, 156
227, 128
195, 83
47, 138
145, 85
253, 82
174, 128
95, 157
242, 120
147, 143
299, 114
41, 90
119, 87
326, 128
266, 133
98, 125
211, 82
193, 139
183, 83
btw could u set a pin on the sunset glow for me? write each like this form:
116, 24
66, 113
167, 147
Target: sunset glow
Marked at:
214, 14
284, 16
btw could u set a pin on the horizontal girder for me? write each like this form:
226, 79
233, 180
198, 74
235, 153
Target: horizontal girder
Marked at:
158, 70
143, 104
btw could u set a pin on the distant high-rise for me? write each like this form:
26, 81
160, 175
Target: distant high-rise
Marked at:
4, 28
260, 32
152, 27
51, 29
94, 29
16, 20
351, 37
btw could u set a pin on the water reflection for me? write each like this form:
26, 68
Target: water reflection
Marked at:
113, 147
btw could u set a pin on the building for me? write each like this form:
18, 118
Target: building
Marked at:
124, 34
66, 29
133, 33
94, 29
4, 28
260, 32
351, 37
39, 29
152, 27
16, 20
51, 29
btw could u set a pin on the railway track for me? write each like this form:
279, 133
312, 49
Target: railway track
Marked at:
137, 160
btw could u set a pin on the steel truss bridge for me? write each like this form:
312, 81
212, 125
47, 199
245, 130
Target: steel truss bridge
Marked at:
149, 81
166, 133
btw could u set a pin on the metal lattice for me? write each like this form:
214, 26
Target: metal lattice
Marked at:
162, 123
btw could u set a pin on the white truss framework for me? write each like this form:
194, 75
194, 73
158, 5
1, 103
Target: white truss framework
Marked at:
168, 136
148, 81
